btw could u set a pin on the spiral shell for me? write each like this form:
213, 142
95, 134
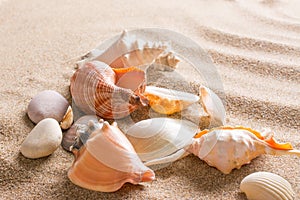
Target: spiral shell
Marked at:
110, 93
107, 161
227, 148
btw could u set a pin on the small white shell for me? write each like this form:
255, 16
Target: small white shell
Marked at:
161, 140
167, 101
265, 186
213, 106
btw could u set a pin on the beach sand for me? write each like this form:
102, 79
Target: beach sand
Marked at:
255, 46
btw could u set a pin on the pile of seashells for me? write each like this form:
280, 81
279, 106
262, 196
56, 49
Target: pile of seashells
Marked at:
113, 85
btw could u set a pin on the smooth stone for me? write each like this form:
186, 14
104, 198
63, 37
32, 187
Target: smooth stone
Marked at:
47, 104
43, 139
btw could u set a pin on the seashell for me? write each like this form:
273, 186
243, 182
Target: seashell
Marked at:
167, 101
50, 104
227, 147
107, 161
161, 140
82, 125
43, 140
126, 51
110, 93
68, 119
213, 106
265, 186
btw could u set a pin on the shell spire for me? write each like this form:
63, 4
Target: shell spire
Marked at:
98, 89
107, 161
227, 147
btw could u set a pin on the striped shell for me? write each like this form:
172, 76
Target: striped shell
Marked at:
96, 88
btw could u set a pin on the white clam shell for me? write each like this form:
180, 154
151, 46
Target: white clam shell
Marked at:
266, 186
161, 140
43, 140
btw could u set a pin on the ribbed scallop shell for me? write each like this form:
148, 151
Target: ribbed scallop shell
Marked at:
265, 186
161, 140
98, 89
227, 148
107, 161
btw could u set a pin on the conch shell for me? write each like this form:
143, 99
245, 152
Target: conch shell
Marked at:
227, 147
110, 93
126, 51
167, 101
161, 140
107, 161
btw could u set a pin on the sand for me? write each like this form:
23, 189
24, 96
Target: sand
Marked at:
254, 45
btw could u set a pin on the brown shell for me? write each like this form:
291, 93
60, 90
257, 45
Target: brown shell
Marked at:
107, 161
110, 93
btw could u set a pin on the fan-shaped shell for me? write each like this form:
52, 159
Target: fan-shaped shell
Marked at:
107, 161
110, 93
265, 186
227, 148
161, 140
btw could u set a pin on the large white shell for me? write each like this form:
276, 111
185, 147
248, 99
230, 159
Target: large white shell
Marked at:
227, 148
126, 51
161, 140
266, 186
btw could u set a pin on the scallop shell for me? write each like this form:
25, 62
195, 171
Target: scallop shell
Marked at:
107, 161
50, 104
227, 148
161, 140
265, 186
167, 101
110, 93
126, 51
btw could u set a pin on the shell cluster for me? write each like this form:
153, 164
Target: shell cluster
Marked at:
111, 84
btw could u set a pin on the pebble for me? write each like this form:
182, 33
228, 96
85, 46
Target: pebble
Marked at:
43, 140
47, 104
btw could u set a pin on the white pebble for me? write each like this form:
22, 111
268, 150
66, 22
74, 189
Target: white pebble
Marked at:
43, 140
